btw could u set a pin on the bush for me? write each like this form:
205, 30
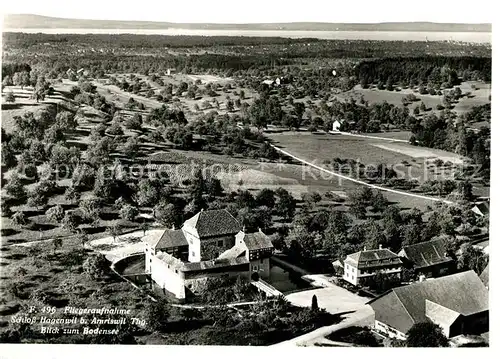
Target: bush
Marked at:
129, 212
9, 97
96, 266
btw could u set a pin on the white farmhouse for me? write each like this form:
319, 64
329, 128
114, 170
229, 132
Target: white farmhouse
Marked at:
362, 265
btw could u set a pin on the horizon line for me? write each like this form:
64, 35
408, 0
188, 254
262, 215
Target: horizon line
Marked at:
257, 23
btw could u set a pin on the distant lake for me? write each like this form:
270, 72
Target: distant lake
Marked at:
476, 37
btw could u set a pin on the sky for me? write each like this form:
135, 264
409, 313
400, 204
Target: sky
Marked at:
234, 11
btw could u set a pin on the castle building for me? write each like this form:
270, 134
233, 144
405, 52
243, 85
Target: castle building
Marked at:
210, 244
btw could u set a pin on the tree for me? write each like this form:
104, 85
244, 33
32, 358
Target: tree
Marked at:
37, 151
15, 187
148, 193
5, 209
192, 313
39, 195
129, 212
157, 314
18, 219
358, 210
115, 129
66, 121
91, 208
8, 155
70, 221
168, 214
57, 243
464, 190
83, 238
230, 105
21, 79
54, 134
144, 226
472, 258
423, 108
134, 122
131, 147
214, 187
426, 334
390, 84
42, 89
55, 213
314, 303
83, 177
96, 266
285, 206
300, 242
298, 110
265, 197
114, 230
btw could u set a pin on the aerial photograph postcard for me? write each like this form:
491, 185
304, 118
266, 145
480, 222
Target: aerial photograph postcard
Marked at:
310, 174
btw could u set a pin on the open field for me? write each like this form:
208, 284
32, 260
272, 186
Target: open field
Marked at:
420, 152
397, 135
479, 96
23, 103
122, 246
209, 78
321, 146
316, 148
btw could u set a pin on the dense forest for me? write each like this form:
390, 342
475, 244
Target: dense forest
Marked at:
435, 70
281, 47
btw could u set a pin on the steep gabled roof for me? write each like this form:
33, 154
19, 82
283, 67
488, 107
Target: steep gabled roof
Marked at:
373, 258
401, 307
168, 239
213, 223
257, 240
426, 254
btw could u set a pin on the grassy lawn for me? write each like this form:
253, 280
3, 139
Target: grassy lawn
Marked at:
397, 135
411, 160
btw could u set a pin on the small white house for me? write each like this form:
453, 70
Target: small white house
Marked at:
336, 126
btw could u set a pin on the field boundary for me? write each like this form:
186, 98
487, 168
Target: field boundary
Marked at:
436, 199
368, 136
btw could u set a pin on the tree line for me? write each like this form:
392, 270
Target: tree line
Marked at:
439, 70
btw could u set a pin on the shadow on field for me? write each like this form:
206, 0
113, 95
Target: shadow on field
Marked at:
5, 232
15, 256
